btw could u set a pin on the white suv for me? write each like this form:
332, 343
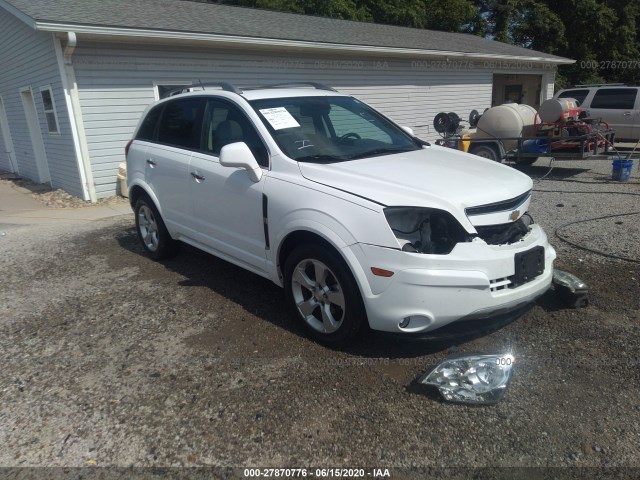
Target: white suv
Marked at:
355, 217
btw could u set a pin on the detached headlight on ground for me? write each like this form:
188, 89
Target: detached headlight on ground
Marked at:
425, 230
475, 379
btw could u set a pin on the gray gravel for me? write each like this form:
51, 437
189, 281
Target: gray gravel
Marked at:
582, 190
111, 359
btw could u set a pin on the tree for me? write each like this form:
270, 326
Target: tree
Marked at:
603, 36
453, 16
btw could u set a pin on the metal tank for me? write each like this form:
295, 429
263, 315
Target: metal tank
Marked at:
552, 110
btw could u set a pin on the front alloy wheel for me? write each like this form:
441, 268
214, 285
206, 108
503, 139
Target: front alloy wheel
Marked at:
324, 295
318, 295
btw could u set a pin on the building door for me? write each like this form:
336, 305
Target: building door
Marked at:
517, 88
7, 155
35, 133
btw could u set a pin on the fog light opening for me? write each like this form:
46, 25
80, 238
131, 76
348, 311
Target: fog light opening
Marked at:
405, 322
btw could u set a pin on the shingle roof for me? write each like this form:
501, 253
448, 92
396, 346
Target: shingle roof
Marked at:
207, 18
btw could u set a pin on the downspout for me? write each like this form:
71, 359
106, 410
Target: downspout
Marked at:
72, 98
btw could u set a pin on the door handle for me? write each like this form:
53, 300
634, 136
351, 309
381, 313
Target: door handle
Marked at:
151, 163
627, 114
198, 178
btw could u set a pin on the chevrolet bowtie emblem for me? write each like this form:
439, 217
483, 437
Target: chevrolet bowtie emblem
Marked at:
514, 215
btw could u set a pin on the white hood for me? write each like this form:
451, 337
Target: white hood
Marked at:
436, 177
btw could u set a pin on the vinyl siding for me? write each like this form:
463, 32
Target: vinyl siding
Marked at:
116, 84
28, 60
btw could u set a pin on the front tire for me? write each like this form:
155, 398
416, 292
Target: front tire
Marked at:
322, 292
152, 232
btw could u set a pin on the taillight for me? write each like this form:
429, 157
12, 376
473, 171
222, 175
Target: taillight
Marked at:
126, 148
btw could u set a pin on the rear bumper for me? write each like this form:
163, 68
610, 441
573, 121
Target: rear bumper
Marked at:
471, 283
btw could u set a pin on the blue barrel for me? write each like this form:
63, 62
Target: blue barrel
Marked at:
621, 171
538, 145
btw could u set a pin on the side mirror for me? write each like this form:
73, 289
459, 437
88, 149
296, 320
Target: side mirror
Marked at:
409, 130
239, 155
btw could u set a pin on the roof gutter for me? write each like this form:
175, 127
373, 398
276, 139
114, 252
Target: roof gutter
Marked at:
291, 44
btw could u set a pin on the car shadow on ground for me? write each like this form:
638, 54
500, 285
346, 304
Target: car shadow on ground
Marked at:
262, 298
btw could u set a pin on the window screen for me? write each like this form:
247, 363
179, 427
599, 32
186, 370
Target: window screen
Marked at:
49, 110
615, 98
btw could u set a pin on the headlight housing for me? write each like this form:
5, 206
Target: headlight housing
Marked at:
474, 379
425, 230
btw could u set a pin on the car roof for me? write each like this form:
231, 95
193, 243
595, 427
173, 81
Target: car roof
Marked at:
587, 87
255, 93
263, 93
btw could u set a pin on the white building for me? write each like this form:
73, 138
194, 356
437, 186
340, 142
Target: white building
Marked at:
77, 74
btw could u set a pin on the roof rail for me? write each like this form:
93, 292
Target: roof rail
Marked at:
227, 87
601, 85
316, 85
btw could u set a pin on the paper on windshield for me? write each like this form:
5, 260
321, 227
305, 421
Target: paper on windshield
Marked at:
279, 118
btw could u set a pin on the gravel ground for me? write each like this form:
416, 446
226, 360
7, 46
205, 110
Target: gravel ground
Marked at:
111, 359
54, 197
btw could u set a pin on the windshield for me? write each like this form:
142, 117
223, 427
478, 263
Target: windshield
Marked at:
331, 129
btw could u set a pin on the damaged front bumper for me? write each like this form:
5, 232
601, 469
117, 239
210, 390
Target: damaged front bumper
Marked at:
427, 292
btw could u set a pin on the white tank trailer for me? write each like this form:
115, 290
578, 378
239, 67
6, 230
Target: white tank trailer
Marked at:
510, 120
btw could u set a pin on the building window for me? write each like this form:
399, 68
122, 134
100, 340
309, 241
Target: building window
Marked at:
50, 110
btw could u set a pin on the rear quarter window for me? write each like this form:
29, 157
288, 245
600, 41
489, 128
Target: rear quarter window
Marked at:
615, 98
181, 122
148, 128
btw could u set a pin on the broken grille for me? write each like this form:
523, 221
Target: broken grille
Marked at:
503, 234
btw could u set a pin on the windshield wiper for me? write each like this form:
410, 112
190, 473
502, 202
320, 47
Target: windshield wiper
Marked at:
382, 151
320, 159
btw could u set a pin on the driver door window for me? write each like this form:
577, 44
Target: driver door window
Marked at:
224, 124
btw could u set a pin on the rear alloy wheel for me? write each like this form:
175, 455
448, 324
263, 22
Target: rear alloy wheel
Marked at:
152, 233
485, 151
322, 292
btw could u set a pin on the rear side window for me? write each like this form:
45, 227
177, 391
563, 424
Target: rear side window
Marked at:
579, 95
148, 127
615, 98
180, 123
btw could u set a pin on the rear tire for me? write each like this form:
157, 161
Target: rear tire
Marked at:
152, 232
489, 152
323, 294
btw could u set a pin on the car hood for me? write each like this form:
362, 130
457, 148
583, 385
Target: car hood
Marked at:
435, 177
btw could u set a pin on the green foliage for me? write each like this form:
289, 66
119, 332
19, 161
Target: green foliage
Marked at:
452, 16
603, 36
